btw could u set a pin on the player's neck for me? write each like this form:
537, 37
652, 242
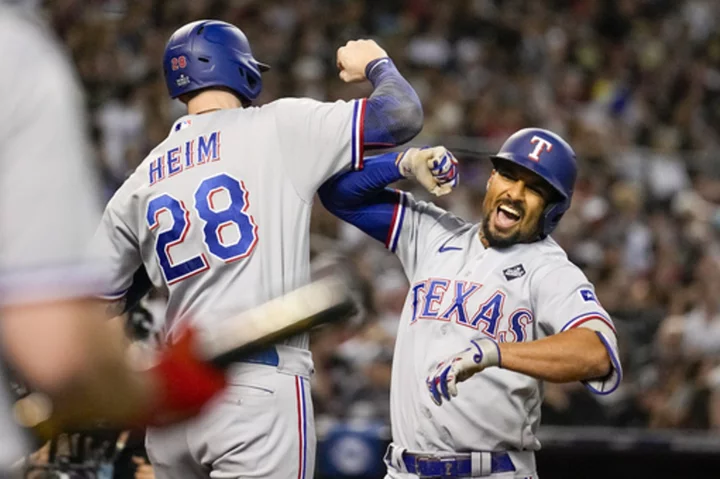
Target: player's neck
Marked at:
212, 100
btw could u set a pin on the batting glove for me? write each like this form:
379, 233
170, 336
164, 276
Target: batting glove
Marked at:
443, 378
434, 168
444, 167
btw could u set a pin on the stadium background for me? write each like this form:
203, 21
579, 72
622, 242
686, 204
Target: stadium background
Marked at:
634, 85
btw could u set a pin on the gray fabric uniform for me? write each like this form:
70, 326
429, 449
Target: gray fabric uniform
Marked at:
219, 215
461, 290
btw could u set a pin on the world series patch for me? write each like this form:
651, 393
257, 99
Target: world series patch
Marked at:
514, 272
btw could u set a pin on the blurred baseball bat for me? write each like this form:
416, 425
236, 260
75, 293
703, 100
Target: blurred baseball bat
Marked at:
324, 300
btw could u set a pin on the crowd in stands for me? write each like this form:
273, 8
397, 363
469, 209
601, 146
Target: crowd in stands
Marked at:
633, 85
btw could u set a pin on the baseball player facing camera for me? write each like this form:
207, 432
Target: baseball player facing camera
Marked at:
494, 309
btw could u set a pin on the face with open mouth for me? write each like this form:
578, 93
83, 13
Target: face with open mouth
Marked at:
513, 204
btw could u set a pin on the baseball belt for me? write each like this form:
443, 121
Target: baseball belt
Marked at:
457, 465
268, 357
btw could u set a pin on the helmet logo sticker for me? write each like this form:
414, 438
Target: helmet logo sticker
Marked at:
541, 144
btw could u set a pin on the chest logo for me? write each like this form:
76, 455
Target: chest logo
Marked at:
443, 248
514, 272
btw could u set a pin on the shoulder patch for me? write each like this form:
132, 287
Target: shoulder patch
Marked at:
588, 295
514, 272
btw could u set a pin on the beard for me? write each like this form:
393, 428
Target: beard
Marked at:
495, 241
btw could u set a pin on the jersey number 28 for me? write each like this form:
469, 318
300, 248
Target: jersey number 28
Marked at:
216, 219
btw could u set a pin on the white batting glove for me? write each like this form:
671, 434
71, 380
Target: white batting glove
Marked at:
434, 168
442, 381
444, 167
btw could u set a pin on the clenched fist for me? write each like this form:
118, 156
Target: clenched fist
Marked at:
434, 168
355, 56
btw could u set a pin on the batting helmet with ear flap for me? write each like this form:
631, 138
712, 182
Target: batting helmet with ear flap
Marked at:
551, 158
211, 53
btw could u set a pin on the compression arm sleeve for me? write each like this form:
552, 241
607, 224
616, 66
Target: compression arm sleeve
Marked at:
393, 114
362, 199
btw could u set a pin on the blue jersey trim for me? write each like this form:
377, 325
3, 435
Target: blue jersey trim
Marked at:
396, 223
615, 364
114, 296
358, 122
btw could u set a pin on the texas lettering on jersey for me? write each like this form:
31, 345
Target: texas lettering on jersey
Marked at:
461, 290
469, 304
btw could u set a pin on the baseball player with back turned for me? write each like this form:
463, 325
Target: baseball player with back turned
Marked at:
219, 215
497, 306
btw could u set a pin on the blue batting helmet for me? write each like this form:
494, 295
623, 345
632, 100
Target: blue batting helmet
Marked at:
550, 157
211, 53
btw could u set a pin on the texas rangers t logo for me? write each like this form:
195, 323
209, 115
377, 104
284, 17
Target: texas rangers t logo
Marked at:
540, 145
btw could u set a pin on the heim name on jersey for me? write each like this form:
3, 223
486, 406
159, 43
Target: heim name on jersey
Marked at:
198, 151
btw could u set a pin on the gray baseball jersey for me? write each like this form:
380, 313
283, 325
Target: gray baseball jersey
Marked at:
49, 201
461, 290
219, 212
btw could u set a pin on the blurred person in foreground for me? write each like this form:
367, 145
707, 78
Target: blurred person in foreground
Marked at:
51, 333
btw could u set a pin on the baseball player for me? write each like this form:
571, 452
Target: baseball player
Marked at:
497, 306
51, 333
218, 214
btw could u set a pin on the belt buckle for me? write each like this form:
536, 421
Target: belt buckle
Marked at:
447, 466
418, 459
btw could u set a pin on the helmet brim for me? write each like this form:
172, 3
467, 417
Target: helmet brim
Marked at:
537, 170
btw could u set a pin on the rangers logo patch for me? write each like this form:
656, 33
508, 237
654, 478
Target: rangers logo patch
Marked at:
514, 272
588, 295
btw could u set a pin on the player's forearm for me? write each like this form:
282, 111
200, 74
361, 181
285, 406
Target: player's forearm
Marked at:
94, 393
108, 387
393, 113
110, 392
574, 355
66, 351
